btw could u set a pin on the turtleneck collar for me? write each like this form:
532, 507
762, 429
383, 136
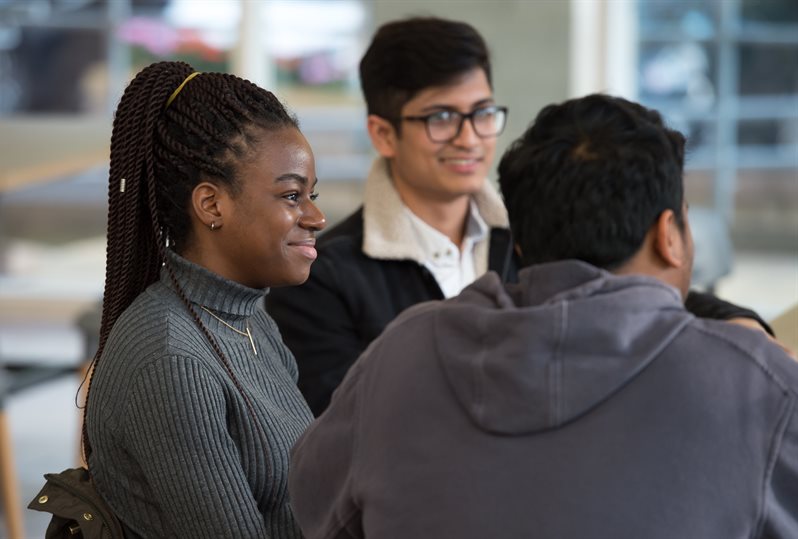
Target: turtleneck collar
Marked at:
205, 288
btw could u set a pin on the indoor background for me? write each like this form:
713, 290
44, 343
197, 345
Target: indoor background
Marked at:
725, 72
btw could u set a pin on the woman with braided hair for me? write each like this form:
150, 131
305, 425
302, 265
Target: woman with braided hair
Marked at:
192, 405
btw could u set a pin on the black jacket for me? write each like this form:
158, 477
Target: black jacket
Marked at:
350, 298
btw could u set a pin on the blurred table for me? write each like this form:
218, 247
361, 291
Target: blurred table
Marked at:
36, 149
786, 328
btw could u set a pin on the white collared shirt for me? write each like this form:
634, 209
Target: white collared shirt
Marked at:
453, 267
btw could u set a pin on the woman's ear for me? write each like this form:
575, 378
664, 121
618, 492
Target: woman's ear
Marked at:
382, 134
207, 203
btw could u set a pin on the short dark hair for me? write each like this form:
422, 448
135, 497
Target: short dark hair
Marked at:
409, 55
588, 179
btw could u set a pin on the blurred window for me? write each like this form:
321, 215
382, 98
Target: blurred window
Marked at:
76, 56
725, 72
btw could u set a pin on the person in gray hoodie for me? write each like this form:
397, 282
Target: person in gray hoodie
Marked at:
583, 401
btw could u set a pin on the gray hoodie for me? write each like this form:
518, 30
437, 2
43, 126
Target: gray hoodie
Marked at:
576, 404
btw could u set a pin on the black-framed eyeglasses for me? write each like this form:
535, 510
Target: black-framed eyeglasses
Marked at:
445, 125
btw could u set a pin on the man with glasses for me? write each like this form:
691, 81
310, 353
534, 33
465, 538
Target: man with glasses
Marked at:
430, 223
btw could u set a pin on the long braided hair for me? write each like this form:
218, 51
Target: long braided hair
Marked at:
159, 153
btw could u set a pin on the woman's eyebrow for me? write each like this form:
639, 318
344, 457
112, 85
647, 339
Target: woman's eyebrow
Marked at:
292, 177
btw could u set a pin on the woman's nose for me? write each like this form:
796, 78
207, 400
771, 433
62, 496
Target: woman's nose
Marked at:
313, 218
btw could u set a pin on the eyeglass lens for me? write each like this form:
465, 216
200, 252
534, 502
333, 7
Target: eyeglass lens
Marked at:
446, 125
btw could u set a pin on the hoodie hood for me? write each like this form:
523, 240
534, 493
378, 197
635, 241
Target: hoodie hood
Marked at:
534, 355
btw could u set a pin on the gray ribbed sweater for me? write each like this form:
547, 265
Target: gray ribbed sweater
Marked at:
175, 448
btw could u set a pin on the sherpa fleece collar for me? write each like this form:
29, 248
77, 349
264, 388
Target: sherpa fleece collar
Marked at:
387, 230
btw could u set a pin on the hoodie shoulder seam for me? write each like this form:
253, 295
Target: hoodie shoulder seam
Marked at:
760, 364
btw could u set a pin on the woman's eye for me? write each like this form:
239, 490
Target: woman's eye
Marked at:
294, 197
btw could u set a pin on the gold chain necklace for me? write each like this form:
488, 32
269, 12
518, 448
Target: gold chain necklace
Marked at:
244, 333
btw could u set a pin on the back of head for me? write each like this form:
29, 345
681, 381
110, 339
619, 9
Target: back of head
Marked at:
409, 55
589, 178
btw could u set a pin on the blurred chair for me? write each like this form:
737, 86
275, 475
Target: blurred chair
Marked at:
89, 325
18, 374
88, 322
713, 247
785, 326
12, 508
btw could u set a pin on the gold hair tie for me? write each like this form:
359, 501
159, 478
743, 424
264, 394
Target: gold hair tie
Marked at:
180, 88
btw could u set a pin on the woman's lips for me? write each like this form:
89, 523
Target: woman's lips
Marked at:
307, 248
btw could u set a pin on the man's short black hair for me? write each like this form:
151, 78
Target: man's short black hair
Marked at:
588, 179
410, 55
